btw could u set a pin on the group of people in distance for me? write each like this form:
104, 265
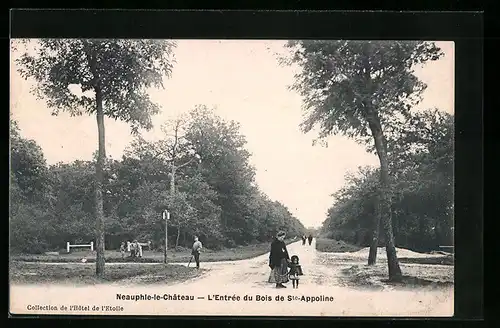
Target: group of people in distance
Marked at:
283, 267
135, 249
309, 239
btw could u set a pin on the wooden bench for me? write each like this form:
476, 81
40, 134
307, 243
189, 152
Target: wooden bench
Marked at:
69, 246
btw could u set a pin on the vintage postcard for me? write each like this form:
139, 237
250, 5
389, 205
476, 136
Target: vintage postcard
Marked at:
231, 177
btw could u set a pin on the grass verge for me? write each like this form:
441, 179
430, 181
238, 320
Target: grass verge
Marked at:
444, 260
335, 246
73, 273
376, 276
339, 246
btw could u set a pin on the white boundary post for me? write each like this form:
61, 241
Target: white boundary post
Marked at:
92, 246
67, 246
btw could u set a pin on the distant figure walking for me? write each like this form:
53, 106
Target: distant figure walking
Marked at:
304, 239
197, 246
278, 261
310, 239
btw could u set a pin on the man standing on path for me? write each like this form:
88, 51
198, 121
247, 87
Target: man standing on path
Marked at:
196, 251
310, 239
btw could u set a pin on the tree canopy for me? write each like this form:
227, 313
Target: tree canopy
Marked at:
422, 204
339, 79
216, 197
123, 70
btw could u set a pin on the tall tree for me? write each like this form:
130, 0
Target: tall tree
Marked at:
173, 151
205, 222
113, 76
421, 154
178, 149
423, 157
74, 205
363, 187
225, 167
356, 88
27, 164
30, 194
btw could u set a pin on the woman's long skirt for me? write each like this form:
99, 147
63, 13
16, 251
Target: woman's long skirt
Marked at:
279, 274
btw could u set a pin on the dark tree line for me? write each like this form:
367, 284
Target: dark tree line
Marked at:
421, 155
215, 195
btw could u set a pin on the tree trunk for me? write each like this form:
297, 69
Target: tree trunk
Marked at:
372, 256
438, 235
385, 201
172, 180
172, 177
101, 157
178, 235
397, 226
422, 236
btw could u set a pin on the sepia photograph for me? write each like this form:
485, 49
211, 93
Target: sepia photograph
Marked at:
231, 177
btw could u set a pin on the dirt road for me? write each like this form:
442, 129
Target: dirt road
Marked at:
254, 273
320, 294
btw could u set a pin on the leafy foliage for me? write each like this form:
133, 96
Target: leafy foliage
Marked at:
422, 203
215, 197
29, 192
121, 69
339, 80
27, 164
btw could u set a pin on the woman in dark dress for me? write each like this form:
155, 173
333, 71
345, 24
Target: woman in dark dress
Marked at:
278, 261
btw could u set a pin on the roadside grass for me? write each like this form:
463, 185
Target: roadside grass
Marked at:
376, 276
77, 274
432, 272
338, 246
335, 246
444, 260
173, 256
29, 269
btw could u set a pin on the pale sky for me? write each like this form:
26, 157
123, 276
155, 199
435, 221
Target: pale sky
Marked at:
244, 81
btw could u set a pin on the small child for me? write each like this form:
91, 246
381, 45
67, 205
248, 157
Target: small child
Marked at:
123, 249
133, 250
295, 271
